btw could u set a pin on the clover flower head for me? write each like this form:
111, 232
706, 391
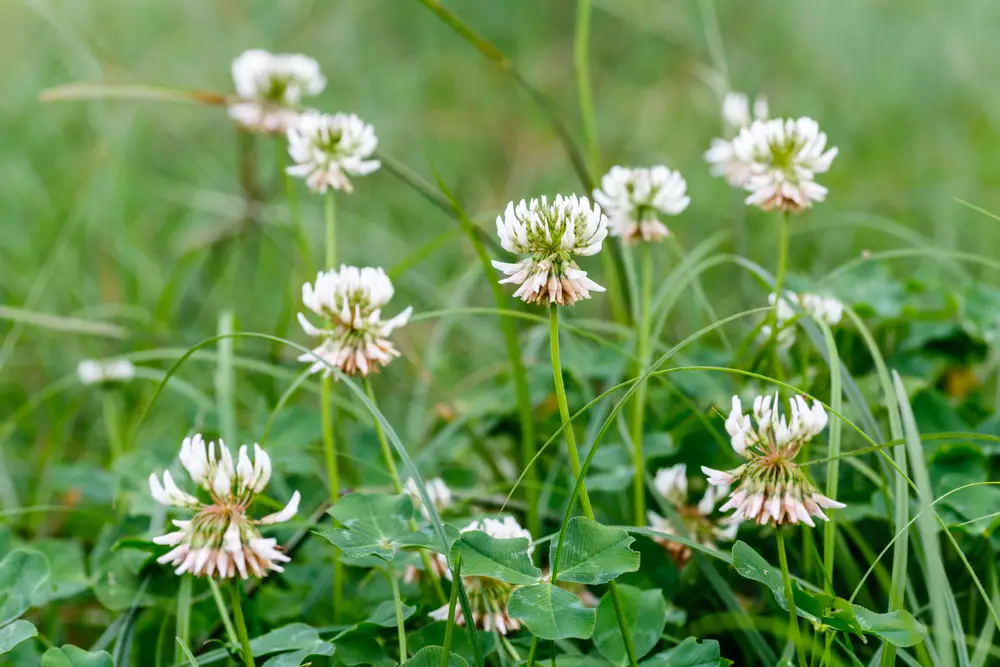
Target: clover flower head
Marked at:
437, 490
105, 372
551, 233
356, 339
634, 198
698, 521
221, 539
487, 597
778, 160
721, 155
270, 87
328, 149
770, 486
819, 307
736, 110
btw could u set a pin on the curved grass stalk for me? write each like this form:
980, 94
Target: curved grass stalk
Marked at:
833, 468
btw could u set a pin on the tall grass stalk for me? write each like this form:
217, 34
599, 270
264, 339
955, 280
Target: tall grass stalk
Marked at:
793, 618
111, 412
387, 457
833, 467
456, 574
779, 285
643, 324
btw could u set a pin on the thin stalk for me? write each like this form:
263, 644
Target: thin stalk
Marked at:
390, 461
241, 624
531, 651
220, 604
639, 402
327, 411
183, 616
453, 599
294, 212
779, 284
833, 467
112, 423
225, 380
793, 619
397, 601
574, 459
581, 66
557, 376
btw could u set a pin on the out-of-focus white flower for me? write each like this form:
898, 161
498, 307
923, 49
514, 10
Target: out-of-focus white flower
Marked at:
551, 233
736, 110
698, 521
487, 597
771, 488
270, 87
634, 198
221, 540
817, 306
437, 490
721, 156
107, 371
782, 158
328, 149
356, 339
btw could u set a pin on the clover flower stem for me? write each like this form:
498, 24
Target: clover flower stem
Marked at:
779, 283
531, 651
183, 627
574, 458
398, 604
581, 66
241, 625
220, 604
331, 230
292, 196
390, 461
112, 422
793, 619
247, 152
639, 402
452, 600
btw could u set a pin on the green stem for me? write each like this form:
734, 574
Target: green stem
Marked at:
456, 573
557, 376
639, 402
225, 378
397, 601
112, 422
331, 230
793, 619
574, 458
241, 625
292, 196
531, 651
581, 46
183, 616
833, 467
779, 284
390, 460
220, 604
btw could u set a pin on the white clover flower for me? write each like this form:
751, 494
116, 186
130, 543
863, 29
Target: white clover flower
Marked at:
551, 233
771, 488
270, 87
817, 306
633, 198
105, 372
736, 110
437, 490
777, 161
721, 156
328, 149
487, 597
221, 540
356, 339
698, 521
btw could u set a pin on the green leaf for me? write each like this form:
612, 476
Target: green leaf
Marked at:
359, 648
645, 615
689, 653
22, 573
593, 554
430, 656
66, 573
899, 628
14, 633
550, 612
433, 635
287, 638
71, 656
373, 524
506, 560
295, 658
385, 614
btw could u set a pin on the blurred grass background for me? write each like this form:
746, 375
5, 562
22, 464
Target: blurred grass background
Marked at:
129, 212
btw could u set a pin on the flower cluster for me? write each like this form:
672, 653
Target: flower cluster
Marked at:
634, 198
105, 372
487, 597
697, 520
221, 540
819, 307
437, 491
551, 233
771, 488
735, 116
270, 87
356, 340
736, 110
327, 149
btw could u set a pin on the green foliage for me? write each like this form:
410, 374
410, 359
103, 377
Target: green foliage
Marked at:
431, 656
550, 612
71, 656
689, 653
374, 525
503, 559
645, 615
594, 554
